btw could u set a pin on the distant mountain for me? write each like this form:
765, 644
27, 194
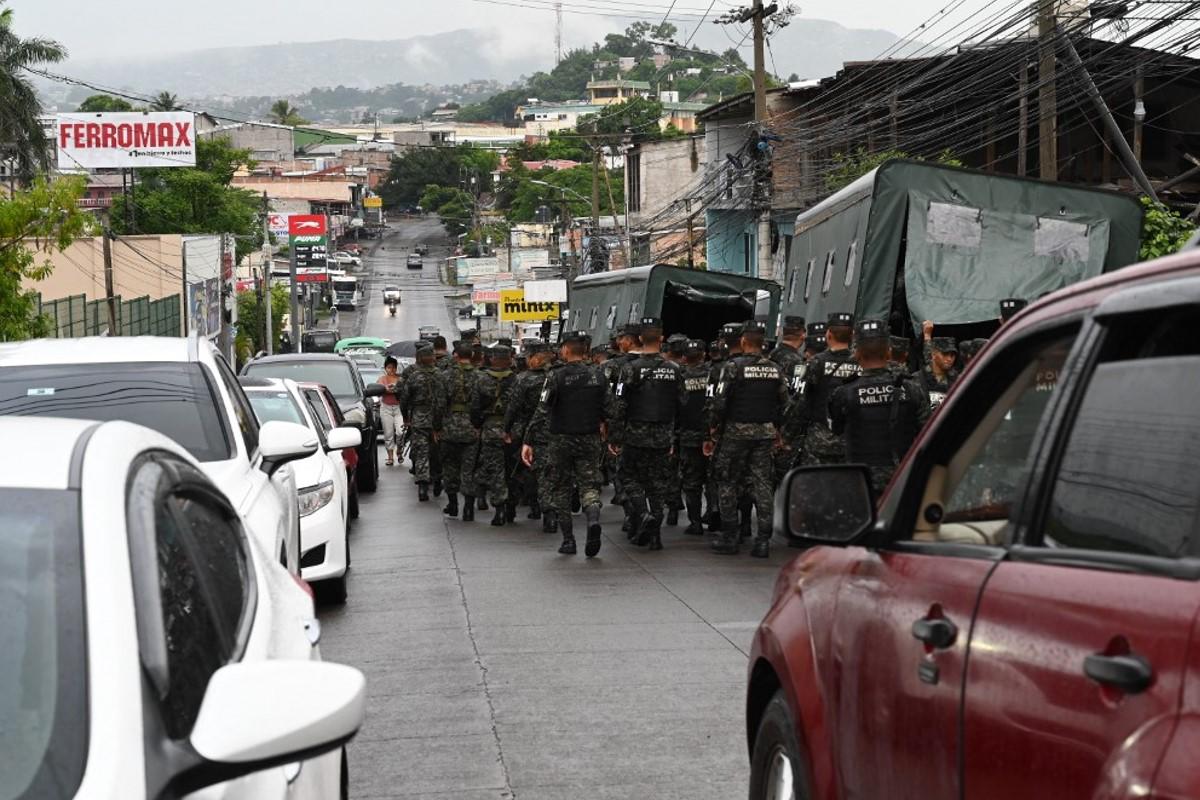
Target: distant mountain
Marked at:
458, 57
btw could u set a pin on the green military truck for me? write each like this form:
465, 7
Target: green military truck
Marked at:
912, 241
692, 302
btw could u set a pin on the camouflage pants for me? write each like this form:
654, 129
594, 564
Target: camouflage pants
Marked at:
572, 461
821, 446
741, 465
495, 472
420, 449
676, 486
458, 466
648, 479
785, 459
693, 468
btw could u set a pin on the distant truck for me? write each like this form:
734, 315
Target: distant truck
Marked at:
692, 302
911, 241
345, 292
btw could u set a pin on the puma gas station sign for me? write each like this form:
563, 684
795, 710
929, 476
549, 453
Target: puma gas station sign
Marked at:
308, 237
126, 140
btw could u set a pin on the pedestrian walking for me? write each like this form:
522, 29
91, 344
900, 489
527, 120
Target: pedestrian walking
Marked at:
459, 437
422, 401
518, 424
497, 456
389, 410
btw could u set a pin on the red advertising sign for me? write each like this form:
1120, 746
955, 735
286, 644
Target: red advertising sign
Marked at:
126, 139
307, 225
312, 277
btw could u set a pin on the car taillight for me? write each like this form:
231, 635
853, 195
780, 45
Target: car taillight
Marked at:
303, 584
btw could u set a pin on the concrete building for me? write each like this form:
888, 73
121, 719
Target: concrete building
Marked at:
606, 93
657, 174
541, 119
142, 266
265, 141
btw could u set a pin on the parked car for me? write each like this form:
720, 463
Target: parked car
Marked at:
414, 261
321, 341
181, 388
345, 259
322, 482
343, 379
328, 415
1019, 616
152, 647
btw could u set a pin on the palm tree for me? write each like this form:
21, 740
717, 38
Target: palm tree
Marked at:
284, 113
165, 101
23, 140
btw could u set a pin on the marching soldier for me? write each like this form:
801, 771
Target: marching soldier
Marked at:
497, 456
693, 464
879, 413
827, 371
789, 355
746, 411
518, 419
900, 355
814, 341
648, 396
627, 344
459, 436
422, 399
938, 373
574, 408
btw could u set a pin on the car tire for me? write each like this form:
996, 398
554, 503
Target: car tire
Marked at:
368, 479
352, 505
778, 768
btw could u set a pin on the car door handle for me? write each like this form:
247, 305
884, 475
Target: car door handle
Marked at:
1130, 673
937, 632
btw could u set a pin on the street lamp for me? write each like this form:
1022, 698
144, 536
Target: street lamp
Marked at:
561, 189
566, 219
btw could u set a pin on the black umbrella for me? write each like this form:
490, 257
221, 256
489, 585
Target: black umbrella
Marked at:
403, 349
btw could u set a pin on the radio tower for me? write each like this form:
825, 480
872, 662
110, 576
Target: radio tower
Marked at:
558, 33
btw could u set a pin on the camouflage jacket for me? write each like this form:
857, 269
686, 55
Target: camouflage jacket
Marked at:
523, 403
631, 379
741, 375
461, 384
490, 405
423, 398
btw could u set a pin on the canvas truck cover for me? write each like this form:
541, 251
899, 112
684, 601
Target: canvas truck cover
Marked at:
954, 241
693, 302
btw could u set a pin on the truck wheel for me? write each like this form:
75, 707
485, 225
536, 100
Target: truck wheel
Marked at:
778, 769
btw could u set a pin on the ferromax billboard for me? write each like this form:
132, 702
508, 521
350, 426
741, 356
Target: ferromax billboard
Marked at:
126, 140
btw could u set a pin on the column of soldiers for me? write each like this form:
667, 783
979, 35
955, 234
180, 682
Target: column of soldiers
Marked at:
675, 425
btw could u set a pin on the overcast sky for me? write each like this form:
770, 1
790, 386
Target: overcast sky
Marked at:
115, 28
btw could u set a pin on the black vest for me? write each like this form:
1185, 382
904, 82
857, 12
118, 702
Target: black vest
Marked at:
753, 391
695, 384
826, 372
653, 393
579, 391
881, 419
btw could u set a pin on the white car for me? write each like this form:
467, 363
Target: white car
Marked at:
342, 257
323, 485
180, 387
151, 648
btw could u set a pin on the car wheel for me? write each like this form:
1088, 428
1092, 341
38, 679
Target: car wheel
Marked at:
777, 766
352, 506
368, 478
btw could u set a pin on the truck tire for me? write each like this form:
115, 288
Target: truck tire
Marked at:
778, 765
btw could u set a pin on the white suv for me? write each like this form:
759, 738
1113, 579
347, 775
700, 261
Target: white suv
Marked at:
179, 387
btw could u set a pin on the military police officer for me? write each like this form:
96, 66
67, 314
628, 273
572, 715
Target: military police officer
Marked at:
693, 464
497, 455
939, 371
422, 401
518, 419
459, 436
827, 371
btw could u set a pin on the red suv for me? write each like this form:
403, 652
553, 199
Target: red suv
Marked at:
1019, 616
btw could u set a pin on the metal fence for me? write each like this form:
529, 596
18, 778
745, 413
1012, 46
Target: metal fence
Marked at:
76, 316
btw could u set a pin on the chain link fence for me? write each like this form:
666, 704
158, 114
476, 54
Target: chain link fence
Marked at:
76, 316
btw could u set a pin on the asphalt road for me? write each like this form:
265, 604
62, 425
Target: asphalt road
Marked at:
497, 668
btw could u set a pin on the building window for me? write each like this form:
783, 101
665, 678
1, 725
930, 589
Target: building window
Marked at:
827, 280
747, 252
808, 279
851, 262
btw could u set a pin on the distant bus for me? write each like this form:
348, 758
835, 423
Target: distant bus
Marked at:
345, 292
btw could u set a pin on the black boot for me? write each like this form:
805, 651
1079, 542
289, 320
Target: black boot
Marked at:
451, 509
654, 537
483, 506
672, 516
535, 510
744, 522
498, 520
715, 524
762, 546
567, 548
510, 511
549, 522
437, 487
594, 532
636, 523
727, 544
649, 532
422, 491
468, 508
695, 526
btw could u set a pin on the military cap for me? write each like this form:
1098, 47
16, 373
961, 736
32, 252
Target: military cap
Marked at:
576, 337
969, 348
629, 330
901, 345
792, 322
501, 351
754, 326
600, 349
815, 343
423, 348
1010, 306
871, 329
944, 344
732, 332
841, 318
817, 329
695, 346
504, 341
717, 346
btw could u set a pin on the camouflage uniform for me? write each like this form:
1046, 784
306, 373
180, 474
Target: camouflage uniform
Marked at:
693, 464
791, 362
809, 412
746, 411
497, 460
934, 386
422, 400
459, 437
518, 416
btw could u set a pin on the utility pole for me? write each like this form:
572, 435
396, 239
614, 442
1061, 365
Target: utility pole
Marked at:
1139, 113
295, 297
558, 30
109, 295
766, 266
594, 248
1048, 92
268, 263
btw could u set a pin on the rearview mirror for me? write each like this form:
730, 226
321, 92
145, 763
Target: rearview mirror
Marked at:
284, 442
375, 390
249, 719
830, 505
343, 438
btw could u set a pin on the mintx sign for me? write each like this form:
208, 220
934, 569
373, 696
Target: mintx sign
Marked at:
514, 308
126, 140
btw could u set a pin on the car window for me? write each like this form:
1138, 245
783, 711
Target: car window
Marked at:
1129, 477
987, 471
277, 406
337, 374
219, 553
247, 422
176, 399
318, 408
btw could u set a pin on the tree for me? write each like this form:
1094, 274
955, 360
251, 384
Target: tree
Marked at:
251, 322
455, 207
23, 140
100, 103
283, 113
420, 167
165, 101
849, 167
195, 200
639, 117
1163, 231
49, 214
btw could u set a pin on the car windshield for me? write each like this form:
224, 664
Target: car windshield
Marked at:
43, 664
174, 399
337, 375
275, 406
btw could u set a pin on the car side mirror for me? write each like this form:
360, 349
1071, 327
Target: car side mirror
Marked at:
284, 442
374, 390
827, 505
249, 719
343, 438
